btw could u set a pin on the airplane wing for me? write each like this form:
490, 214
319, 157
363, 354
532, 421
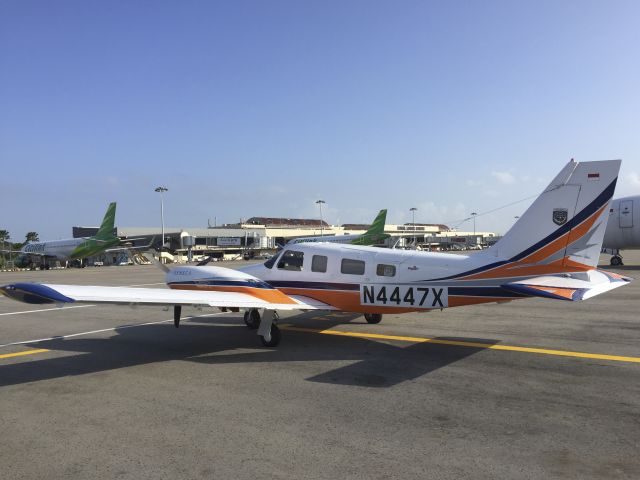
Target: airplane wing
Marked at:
61, 294
572, 288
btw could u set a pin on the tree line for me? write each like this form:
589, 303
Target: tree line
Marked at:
8, 245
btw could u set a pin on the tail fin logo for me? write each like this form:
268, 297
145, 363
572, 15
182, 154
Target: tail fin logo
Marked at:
560, 216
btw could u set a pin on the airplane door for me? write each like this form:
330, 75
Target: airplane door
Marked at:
626, 214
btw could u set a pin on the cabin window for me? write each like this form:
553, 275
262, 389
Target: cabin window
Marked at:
383, 270
291, 260
352, 267
319, 263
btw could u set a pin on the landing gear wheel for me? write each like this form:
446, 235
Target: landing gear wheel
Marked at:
275, 337
373, 317
252, 319
616, 260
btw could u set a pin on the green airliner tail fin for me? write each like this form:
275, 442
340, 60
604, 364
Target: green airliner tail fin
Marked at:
107, 227
375, 233
377, 227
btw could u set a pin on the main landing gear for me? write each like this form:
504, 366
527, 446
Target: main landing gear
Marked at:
373, 318
252, 318
268, 330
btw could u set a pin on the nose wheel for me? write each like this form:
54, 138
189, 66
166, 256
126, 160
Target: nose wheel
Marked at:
373, 318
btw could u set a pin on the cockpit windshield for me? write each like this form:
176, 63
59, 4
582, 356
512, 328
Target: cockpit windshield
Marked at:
271, 262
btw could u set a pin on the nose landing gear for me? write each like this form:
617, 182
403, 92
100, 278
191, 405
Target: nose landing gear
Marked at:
616, 260
373, 318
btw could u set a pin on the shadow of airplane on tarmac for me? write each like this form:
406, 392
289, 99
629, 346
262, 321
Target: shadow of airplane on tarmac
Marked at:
205, 340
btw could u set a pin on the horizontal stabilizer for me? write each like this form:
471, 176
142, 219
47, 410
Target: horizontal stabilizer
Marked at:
573, 287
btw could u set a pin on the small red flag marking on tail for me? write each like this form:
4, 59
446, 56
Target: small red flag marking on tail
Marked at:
593, 176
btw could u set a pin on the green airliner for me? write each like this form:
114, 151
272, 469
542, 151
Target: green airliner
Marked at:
72, 248
374, 235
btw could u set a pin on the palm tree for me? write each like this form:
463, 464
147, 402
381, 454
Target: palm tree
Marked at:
4, 236
32, 237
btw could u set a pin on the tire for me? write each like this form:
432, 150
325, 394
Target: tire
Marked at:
616, 261
252, 319
373, 318
275, 337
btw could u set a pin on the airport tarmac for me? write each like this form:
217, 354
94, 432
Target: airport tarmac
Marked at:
532, 389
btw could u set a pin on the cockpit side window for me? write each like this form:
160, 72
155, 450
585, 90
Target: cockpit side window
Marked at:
291, 260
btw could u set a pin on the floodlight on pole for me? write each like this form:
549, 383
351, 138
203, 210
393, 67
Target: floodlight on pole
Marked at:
413, 213
319, 203
473, 214
161, 190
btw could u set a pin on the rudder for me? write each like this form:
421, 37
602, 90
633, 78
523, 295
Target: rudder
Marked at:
565, 225
108, 222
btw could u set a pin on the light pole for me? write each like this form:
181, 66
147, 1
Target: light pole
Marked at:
413, 212
473, 214
320, 202
161, 190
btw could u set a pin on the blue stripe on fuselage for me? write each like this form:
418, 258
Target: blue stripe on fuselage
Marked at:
316, 285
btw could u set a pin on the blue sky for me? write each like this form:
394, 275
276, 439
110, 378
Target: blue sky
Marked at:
258, 108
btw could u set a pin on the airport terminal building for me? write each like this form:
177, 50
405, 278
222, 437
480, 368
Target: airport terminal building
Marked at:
259, 237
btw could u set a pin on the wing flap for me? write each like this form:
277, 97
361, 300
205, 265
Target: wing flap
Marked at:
308, 303
573, 287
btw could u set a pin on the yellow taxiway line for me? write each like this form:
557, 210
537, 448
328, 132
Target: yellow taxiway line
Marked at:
26, 352
508, 348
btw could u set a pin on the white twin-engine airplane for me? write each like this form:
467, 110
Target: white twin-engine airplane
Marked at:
552, 252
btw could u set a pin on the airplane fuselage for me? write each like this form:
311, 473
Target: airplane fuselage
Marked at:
68, 249
623, 227
345, 239
363, 279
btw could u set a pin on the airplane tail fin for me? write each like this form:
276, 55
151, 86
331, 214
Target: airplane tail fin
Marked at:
564, 227
106, 230
375, 233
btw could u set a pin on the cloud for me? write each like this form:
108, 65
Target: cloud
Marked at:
473, 183
491, 193
504, 177
429, 212
628, 184
112, 181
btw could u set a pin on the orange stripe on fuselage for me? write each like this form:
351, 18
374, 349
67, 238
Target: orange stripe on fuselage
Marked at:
347, 301
350, 301
268, 295
462, 301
